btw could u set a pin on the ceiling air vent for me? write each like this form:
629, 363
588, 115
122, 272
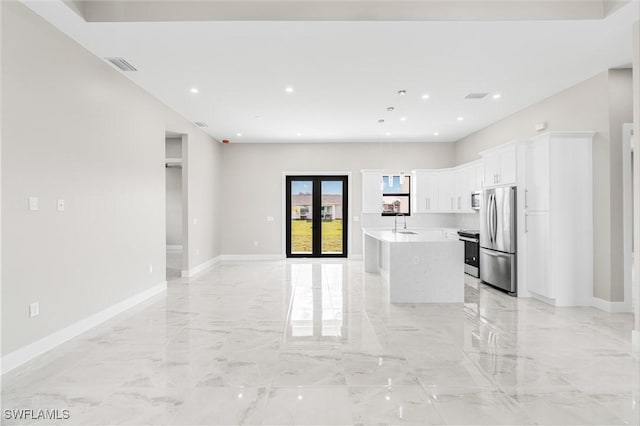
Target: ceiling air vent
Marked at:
476, 95
121, 64
200, 123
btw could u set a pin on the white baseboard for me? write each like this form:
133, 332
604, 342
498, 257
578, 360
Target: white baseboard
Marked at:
611, 307
201, 267
29, 352
250, 257
174, 248
635, 339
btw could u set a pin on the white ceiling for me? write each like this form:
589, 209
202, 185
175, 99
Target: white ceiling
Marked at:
345, 74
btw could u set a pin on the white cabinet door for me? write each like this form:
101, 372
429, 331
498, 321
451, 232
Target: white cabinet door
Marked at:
491, 164
536, 192
446, 190
371, 192
426, 191
500, 166
478, 177
538, 253
507, 171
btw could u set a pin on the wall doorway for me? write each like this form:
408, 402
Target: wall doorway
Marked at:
175, 201
316, 216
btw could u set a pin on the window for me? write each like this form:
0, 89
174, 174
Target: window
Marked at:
396, 195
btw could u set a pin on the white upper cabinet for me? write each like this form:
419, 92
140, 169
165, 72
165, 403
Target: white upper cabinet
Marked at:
499, 165
446, 193
425, 191
536, 192
371, 191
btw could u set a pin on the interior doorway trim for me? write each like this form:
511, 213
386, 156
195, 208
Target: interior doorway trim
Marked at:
283, 201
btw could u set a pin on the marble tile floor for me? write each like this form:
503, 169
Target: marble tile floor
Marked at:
317, 343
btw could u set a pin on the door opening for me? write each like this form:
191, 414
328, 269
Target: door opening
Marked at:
175, 207
316, 216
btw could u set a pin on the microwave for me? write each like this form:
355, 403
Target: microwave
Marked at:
475, 200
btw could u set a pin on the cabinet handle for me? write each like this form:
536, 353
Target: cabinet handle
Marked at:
526, 198
526, 223
459, 206
428, 204
451, 203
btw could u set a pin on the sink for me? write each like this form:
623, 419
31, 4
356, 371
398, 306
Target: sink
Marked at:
406, 232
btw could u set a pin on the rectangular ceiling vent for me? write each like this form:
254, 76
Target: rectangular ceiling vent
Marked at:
200, 123
121, 64
476, 95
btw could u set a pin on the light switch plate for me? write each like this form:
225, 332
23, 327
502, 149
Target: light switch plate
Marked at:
34, 309
33, 204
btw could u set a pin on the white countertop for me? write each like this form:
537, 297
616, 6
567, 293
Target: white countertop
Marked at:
421, 235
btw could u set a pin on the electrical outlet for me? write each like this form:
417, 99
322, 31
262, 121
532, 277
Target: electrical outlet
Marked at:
255, 244
195, 220
150, 268
34, 309
33, 204
197, 252
61, 205
270, 218
416, 260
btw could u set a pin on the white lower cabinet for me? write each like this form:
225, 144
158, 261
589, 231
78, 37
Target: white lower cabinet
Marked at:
537, 253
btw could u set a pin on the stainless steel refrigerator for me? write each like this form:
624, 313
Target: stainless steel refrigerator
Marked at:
498, 238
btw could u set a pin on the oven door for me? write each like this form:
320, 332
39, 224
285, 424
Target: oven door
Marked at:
471, 256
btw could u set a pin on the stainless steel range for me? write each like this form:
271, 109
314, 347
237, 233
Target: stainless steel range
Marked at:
471, 239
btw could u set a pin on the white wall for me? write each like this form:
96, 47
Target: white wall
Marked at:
76, 129
253, 186
585, 106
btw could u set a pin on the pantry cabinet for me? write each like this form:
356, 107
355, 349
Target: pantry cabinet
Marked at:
558, 219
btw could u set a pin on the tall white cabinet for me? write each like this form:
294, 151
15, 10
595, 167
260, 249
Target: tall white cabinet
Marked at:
558, 203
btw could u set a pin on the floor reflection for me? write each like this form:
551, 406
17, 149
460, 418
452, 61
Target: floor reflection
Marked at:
318, 300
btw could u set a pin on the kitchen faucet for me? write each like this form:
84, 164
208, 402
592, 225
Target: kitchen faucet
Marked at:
395, 222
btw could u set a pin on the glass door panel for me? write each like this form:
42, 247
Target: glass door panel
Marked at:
301, 220
331, 215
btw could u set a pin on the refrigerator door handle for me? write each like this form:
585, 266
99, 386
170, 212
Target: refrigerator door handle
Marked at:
495, 219
488, 208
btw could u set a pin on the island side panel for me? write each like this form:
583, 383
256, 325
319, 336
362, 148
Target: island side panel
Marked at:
371, 247
427, 272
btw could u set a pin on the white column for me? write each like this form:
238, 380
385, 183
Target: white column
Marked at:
636, 167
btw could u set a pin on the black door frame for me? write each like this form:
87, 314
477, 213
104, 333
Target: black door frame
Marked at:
316, 227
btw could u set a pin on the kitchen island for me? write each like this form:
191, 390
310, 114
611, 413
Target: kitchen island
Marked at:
421, 266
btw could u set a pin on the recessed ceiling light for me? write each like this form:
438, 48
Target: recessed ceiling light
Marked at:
497, 96
239, 134
288, 89
436, 134
388, 133
298, 134
381, 120
425, 96
390, 108
460, 118
194, 90
403, 118
402, 92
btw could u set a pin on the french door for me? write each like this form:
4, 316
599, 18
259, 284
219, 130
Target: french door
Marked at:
316, 209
